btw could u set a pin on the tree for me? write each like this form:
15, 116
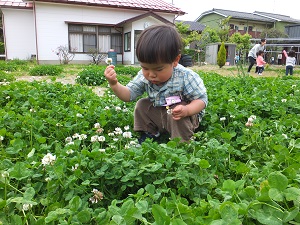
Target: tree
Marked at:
221, 55
224, 29
187, 36
272, 33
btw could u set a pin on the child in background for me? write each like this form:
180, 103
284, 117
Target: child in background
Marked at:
176, 95
236, 58
260, 62
290, 62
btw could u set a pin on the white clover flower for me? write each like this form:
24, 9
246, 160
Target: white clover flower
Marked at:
48, 159
283, 100
5, 174
76, 135
285, 136
101, 138
125, 110
101, 150
118, 108
26, 207
127, 134
222, 118
111, 134
232, 116
79, 115
250, 120
97, 125
32, 110
77, 77
230, 100
70, 151
8, 97
75, 167
253, 117
1, 138
115, 139
118, 130
59, 125
126, 127
68, 139
94, 138
82, 137
249, 124
47, 179
108, 61
294, 85
70, 143
106, 108
99, 130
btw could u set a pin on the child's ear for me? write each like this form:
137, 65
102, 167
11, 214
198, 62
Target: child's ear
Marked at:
176, 61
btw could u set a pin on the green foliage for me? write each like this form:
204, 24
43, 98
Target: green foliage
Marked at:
253, 180
223, 32
94, 75
221, 55
6, 77
2, 48
46, 70
242, 41
273, 33
210, 35
187, 36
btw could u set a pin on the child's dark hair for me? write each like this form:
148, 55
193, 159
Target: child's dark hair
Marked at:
262, 40
292, 53
259, 52
158, 44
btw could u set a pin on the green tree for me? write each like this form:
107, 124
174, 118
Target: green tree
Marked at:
272, 33
187, 36
224, 29
221, 55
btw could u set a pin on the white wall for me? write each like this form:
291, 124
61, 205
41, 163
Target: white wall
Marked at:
19, 33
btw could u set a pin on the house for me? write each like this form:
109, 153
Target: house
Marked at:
35, 29
242, 22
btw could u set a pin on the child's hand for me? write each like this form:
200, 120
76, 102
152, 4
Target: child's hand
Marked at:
179, 112
111, 75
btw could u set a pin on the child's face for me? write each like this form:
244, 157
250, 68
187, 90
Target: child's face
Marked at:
158, 73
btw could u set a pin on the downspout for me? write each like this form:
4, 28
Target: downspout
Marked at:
35, 27
4, 35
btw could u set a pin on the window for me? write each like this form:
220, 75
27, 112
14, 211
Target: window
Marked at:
250, 28
231, 26
236, 28
245, 29
127, 42
87, 38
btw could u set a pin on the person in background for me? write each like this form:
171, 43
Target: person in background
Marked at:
176, 96
253, 52
236, 58
260, 62
290, 62
272, 61
279, 58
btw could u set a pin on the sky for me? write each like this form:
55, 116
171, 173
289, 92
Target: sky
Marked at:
194, 8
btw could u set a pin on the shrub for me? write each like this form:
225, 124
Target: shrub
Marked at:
8, 66
94, 75
46, 70
221, 55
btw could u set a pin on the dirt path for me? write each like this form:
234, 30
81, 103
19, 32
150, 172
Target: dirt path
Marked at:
64, 80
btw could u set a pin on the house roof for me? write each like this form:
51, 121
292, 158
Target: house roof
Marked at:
150, 13
155, 5
257, 16
193, 25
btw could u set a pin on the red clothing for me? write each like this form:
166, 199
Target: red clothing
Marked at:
260, 61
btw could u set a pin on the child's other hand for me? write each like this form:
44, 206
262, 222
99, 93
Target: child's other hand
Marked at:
111, 75
179, 112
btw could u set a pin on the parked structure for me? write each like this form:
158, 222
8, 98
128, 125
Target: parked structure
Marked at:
35, 29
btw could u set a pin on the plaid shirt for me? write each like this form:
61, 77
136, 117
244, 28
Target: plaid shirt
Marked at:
184, 83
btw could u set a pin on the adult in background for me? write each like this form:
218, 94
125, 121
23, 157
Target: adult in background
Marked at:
254, 51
